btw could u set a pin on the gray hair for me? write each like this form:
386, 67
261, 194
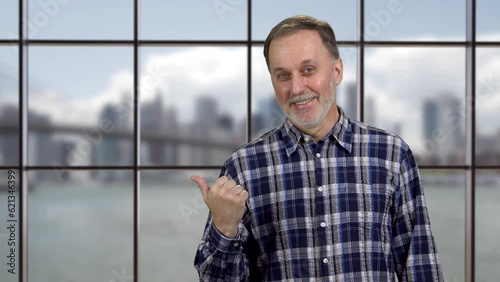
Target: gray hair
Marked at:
301, 22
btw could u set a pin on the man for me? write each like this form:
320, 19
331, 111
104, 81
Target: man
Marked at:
321, 197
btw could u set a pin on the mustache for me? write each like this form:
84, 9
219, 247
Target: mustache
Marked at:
302, 98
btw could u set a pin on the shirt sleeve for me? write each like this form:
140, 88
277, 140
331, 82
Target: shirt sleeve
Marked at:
219, 258
414, 248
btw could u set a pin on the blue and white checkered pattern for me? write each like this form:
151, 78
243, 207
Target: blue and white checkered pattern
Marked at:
349, 208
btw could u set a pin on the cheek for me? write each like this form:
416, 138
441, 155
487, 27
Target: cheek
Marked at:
322, 85
281, 94
316, 85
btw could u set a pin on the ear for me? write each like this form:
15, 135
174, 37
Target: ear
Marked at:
338, 69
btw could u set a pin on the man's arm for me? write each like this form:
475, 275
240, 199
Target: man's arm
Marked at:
219, 258
221, 252
414, 247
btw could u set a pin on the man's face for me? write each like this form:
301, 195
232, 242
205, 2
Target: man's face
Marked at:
304, 76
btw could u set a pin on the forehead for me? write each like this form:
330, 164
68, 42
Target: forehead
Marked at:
292, 49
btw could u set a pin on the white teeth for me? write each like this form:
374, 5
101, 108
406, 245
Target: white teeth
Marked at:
303, 102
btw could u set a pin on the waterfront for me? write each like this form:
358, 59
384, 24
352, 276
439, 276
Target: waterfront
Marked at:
84, 231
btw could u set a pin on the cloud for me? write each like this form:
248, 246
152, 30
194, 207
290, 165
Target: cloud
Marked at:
401, 78
398, 79
184, 76
488, 90
8, 81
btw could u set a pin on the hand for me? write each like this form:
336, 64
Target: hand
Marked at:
226, 201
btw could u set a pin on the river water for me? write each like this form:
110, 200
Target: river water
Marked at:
84, 231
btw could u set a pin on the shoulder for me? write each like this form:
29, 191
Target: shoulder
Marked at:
365, 135
257, 148
272, 136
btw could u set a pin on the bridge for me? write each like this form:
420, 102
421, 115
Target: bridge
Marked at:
148, 136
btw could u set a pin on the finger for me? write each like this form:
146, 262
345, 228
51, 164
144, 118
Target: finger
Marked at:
221, 181
229, 185
237, 190
243, 195
202, 184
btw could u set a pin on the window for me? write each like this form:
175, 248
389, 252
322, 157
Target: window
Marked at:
107, 108
9, 105
76, 19
9, 20
424, 89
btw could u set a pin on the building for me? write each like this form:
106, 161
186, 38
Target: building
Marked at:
9, 137
348, 100
443, 117
115, 147
151, 124
266, 116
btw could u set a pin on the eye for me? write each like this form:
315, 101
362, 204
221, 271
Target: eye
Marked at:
282, 75
308, 69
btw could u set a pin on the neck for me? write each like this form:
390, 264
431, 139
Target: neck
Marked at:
319, 132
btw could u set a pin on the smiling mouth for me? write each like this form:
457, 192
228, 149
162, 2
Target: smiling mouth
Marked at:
303, 102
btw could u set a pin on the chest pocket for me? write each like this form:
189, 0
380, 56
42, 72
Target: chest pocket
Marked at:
363, 206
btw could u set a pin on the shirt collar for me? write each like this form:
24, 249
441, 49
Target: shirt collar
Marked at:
341, 132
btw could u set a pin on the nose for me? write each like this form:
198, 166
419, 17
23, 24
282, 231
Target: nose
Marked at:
298, 85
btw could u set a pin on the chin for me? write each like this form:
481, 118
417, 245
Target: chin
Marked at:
309, 123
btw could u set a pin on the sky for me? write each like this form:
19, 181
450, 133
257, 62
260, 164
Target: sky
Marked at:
73, 82
226, 19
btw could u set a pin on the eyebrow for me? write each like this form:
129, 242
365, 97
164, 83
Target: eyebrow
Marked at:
304, 62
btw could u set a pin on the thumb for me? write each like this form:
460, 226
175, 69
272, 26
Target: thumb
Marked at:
202, 184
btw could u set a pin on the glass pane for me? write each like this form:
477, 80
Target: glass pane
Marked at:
193, 104
10, 223
347, 93
419, 94
487, 20
80, 226
9, 19
424, 20
487, 227
194, 20
80, 19
9, 105
341, 15
266, 112
445, 196
80, 106
173, 216
487, 103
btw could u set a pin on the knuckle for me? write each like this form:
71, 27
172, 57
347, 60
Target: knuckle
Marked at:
221, 180
220, 192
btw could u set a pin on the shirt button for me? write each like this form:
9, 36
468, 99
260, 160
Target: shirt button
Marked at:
236, 244
318, 155
322, 224
320, 189
325, 260
306, 139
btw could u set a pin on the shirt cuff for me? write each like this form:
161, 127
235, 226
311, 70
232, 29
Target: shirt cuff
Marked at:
223, 243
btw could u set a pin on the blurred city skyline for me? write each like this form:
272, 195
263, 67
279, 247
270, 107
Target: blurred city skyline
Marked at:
205, 77
213, 135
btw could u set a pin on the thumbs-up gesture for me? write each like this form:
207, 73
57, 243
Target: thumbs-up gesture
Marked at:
226, 202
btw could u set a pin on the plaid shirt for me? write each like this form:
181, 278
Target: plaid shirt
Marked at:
349, 208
